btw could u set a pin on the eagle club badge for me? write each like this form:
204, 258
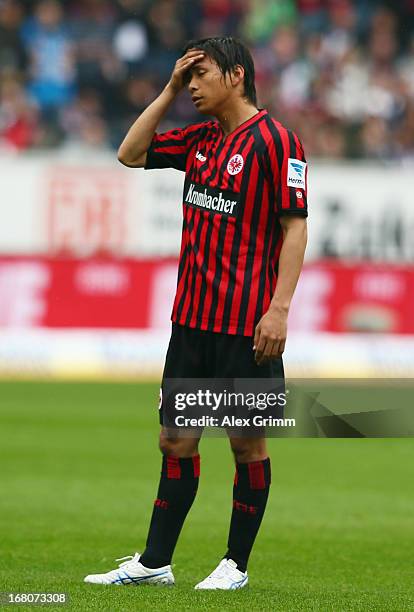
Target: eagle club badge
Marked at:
235, 164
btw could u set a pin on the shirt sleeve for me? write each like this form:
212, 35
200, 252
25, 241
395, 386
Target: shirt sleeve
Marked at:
289, 173
169, 150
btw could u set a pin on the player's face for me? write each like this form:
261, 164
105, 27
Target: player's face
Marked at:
207, 86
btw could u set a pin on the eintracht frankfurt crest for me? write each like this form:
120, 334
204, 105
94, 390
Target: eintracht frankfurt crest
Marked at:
235, 164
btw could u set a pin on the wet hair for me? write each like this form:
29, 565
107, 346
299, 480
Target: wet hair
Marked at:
228, 52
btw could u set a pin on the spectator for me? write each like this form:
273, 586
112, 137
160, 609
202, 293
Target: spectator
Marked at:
52, 76
314, 18
92, 27
265, 16
86, 107
338, 72
375, 141
341, 35
12, 52
167, 36
18, 116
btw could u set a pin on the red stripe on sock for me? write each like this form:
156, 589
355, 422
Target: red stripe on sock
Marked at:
256, 475
196, 465
244, 507
161, 503
173, 467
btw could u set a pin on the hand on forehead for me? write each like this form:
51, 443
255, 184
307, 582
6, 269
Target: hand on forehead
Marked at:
194, 51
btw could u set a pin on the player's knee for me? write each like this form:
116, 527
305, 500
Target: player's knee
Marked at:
179, 447
247, 449
167, 444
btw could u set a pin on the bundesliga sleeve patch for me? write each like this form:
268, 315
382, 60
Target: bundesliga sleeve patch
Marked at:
296, 173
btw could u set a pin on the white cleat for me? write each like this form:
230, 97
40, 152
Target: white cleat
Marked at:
132, 572
226, 577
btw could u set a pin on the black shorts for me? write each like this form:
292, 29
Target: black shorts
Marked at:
198, 354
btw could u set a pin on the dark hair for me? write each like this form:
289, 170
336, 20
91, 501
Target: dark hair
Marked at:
228, 52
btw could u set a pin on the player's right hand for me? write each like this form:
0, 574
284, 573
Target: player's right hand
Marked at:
177, 81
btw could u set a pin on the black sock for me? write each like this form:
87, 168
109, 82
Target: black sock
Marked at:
250, 493
176, 493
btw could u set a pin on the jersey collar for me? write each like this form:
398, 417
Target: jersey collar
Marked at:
243, 126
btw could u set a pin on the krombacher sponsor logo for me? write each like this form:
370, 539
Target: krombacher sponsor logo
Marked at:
211, 198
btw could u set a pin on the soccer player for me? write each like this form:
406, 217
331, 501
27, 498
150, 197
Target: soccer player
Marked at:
243, 242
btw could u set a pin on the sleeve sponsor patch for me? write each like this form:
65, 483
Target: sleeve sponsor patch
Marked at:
296, 173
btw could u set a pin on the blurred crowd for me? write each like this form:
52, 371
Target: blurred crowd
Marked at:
75, 73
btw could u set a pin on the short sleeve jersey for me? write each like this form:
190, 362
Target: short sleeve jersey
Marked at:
236, 189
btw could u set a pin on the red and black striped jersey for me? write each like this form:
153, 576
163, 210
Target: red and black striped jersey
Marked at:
236, 188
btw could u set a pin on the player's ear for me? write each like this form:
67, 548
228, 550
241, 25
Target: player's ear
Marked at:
237, 75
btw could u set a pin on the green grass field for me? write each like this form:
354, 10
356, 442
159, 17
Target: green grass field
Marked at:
79, 470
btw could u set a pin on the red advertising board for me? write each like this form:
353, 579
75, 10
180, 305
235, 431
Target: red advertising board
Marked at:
338, 297
92, 293
127, 293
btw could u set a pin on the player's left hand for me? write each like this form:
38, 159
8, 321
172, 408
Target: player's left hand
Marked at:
270, 336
